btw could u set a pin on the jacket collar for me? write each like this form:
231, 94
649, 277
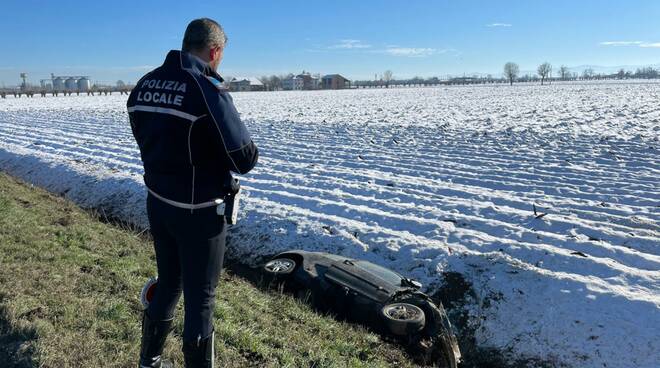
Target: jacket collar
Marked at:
191, 63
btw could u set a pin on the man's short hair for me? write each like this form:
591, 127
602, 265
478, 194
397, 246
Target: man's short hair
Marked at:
202, 33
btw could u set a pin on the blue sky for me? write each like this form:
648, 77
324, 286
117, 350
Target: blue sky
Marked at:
112, 40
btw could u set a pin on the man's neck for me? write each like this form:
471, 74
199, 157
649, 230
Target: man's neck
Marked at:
200, 59
208, 70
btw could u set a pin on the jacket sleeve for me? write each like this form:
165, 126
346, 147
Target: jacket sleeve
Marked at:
241, 151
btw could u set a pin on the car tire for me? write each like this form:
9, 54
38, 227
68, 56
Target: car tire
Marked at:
403, 319
280, 266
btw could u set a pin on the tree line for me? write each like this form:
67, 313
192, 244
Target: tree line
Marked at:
511, 74
544, 72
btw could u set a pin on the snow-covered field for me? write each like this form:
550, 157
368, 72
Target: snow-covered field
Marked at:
426, 181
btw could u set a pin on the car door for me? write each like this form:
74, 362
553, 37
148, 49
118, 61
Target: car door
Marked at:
348, 275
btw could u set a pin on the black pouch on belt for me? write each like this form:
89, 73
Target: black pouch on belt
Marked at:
231, 203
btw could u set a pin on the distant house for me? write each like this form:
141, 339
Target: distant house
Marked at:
302, 81
315, 83
246, 84
335, 81
295, 83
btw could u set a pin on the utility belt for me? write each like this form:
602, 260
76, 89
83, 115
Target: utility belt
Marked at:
227, 206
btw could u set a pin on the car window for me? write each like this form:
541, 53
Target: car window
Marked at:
382, 272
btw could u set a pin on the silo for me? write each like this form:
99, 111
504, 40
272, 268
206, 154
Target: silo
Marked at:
58, 84
84, 84
71, 84
46, 84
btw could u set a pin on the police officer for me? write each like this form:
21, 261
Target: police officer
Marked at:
191, 138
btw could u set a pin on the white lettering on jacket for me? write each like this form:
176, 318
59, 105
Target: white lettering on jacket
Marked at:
162, 97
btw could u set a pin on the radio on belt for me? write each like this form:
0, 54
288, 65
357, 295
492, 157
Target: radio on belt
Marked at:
229, 208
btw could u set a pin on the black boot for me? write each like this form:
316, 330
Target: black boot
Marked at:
199, 354
154, 334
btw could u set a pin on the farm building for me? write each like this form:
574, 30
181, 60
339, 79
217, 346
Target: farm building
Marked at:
246, 84
302, 81
292, 84
335, 81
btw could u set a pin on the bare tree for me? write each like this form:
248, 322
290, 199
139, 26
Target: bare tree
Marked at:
545, 71
275, 82
564, 73
388, 76
511, 71
621, 74
646, 73
588, 73
266, 82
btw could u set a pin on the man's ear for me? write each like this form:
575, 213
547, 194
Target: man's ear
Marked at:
215, 53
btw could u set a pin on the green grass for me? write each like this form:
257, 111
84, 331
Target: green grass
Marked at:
69, 287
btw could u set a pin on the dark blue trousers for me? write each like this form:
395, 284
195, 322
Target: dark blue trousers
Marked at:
190, 249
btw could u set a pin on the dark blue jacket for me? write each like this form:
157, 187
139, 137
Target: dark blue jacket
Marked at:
188, 130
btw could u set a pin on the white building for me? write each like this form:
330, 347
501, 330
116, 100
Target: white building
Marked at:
302, 81
246, 84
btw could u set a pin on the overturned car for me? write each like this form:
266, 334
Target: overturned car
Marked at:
364, 292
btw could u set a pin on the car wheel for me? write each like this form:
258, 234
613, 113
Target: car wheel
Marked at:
280, 266
403, 319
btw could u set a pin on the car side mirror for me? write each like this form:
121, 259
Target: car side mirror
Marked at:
412, 283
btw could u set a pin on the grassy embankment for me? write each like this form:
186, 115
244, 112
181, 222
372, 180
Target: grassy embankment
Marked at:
69, 287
